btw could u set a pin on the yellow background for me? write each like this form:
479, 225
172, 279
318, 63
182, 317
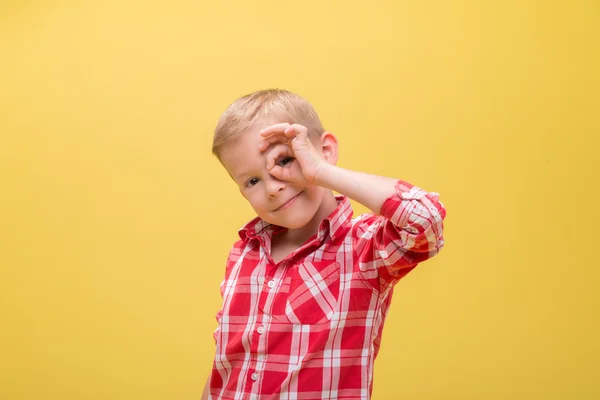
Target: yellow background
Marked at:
116, 220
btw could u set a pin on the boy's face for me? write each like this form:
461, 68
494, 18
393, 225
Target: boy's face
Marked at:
277, 202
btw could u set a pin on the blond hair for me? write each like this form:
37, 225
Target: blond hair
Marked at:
251, 108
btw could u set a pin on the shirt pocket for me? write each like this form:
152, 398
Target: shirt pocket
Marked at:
314, 292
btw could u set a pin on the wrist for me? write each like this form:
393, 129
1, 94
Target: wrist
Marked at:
324, 175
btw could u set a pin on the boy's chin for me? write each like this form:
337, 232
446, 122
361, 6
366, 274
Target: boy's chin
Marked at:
295, 225
293, 222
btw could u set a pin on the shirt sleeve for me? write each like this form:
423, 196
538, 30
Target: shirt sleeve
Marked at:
408, 231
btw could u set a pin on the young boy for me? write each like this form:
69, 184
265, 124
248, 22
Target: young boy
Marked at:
307, 287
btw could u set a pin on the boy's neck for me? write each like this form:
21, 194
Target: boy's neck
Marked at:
299, 236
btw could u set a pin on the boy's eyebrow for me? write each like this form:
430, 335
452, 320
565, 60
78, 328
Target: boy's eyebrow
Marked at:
240, 175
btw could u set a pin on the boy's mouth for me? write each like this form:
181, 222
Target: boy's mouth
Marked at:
289, 202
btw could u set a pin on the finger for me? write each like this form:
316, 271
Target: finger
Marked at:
284, 173
267, 142
287, 130
290, 131
296, 129
300, 130
276, 153
277, 128
297, 132
278, 172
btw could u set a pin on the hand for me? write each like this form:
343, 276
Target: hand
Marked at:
291, 141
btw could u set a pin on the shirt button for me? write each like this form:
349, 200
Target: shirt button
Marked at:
254, 376
261, 330
271, 284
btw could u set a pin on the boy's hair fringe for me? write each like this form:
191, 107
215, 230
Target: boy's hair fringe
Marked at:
280, 104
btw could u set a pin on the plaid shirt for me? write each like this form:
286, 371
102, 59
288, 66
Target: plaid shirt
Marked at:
310, 327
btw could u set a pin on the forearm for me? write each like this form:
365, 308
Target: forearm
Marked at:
369, 190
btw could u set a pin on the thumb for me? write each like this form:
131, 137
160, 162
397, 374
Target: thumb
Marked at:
277, 172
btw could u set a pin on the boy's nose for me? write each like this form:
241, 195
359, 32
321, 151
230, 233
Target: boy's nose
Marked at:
275, 186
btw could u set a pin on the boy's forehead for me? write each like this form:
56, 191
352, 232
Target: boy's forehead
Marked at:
243, 154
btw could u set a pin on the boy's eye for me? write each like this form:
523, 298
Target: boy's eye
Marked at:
251, 182
286, 160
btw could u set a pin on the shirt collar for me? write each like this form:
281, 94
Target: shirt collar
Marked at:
332, 225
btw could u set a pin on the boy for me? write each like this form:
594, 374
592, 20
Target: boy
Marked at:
307, 287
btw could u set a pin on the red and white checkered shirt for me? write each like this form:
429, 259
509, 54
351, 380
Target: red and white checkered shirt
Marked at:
310, 327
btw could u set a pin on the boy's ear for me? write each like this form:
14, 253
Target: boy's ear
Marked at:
329, 147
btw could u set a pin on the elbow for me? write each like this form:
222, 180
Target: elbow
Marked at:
424, 233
